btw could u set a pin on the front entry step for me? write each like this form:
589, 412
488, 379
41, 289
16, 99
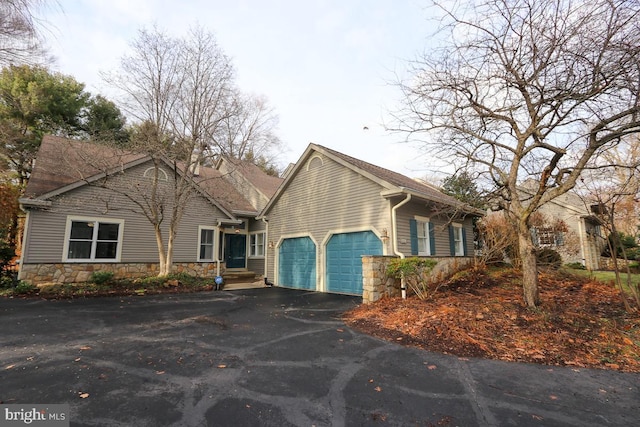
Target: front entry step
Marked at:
242, 276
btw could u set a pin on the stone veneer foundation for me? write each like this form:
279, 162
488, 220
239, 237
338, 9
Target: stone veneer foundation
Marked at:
376, 283
81, 272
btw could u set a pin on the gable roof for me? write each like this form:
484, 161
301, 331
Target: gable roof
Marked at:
213, 182
264, 183
394, 183
570, 201
63, 164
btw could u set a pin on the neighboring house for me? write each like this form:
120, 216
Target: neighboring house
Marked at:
332, 209
570, 227
83, 204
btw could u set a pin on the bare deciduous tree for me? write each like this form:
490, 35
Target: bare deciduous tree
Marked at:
182, 94
250, 131
19, 40
616, 194
178, 91
528, 89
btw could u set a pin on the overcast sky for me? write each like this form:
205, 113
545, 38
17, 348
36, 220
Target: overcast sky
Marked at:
326, 67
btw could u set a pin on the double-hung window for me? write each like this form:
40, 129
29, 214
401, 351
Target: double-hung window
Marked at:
457, 240
256, 245
422, 234
424, 248
205, 244
93, 239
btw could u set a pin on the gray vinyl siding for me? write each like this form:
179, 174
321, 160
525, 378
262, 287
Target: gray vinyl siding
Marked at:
45, 238
255, 225
327, 198
441, 228
256, 264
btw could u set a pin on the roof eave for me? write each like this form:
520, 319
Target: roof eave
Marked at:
27, 203
238, 212
404, 191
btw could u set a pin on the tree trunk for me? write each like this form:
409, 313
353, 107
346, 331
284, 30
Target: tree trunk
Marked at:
162, 254
169, 256
529, 267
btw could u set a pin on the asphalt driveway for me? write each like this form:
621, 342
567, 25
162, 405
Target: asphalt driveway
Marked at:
273, 357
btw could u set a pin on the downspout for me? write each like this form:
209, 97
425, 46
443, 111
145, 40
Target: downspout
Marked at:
394, 226
266, 245
217, 247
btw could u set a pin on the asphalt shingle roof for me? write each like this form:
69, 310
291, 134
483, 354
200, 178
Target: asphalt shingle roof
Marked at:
396, 179
61, 162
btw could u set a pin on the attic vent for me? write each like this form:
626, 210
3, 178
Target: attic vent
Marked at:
162, 175
314, 163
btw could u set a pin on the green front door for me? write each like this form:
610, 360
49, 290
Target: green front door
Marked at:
235, 250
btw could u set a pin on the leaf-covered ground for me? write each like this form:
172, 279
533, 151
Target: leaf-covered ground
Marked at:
579, 322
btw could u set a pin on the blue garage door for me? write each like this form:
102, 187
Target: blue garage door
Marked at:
297, 263
344, 260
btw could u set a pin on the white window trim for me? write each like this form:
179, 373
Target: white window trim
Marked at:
315, 164
457, 228
426, 221
213, 251
67, 236
264, 244
162, 174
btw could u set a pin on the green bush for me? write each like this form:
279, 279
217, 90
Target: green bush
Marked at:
101, 277
25, 288
416, 274
575, 266
6, 255
6, 282
548, 258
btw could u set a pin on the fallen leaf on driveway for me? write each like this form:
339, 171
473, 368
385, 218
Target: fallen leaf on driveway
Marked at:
378, 388
159, 372
432, 367
553, 397
221, 366
340, 330
83, 395
10, 367
85, 347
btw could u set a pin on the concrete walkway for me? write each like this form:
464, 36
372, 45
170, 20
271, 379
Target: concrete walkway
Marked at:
274, 357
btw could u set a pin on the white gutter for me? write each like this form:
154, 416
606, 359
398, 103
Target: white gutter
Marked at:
394, 227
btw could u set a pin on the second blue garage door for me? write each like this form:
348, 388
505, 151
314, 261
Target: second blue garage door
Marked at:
297, 263
344, 260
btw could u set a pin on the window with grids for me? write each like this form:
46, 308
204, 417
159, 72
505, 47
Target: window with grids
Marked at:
205, 244
424, 248
93, 239
547, 236
256, 245
458, 240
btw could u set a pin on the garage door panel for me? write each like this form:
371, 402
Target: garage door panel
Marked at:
344, 260
297, 263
